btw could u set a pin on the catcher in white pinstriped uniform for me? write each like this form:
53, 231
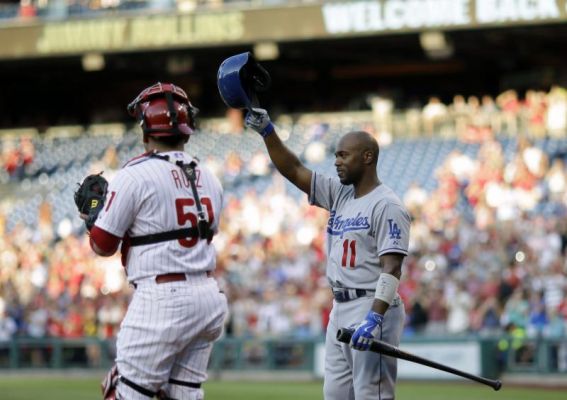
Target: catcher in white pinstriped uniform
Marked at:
164, 207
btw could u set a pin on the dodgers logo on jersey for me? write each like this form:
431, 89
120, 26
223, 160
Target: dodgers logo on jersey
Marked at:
394, 230
338, 225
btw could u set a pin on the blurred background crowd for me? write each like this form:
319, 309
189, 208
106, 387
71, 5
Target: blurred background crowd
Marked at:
484, 179
28, 10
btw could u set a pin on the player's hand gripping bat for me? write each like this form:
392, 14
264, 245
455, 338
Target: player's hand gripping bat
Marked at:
344, 335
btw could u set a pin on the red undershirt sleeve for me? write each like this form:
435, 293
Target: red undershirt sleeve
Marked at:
105, 241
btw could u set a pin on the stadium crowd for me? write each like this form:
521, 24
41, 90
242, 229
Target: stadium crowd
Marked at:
488, 244
29, 10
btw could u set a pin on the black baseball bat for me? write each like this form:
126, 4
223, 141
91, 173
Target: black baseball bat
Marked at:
378, 346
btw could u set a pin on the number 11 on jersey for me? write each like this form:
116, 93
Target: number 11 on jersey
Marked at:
349, 245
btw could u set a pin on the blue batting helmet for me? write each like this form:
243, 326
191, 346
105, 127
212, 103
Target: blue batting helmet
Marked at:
239, 78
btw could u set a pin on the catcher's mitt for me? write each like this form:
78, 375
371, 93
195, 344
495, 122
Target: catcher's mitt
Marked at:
89, 197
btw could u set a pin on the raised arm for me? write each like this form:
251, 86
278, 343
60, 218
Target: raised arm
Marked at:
286, 162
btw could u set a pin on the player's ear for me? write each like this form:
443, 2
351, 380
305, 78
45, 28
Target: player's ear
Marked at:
368, 157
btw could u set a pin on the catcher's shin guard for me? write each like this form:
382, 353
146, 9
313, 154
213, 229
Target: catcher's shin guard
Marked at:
108, 384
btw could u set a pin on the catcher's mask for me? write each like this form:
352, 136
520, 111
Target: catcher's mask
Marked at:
239, 78
164, 109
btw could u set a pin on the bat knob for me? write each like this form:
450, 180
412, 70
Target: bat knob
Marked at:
497, 385
344, 334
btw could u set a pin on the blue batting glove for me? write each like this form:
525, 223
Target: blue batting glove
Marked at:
366, 331
258, 120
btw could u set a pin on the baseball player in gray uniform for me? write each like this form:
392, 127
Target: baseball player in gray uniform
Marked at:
367, 240
164, 207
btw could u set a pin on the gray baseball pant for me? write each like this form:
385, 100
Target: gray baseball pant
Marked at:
361, 375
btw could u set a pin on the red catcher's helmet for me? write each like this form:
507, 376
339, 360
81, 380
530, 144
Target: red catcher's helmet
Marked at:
164, 109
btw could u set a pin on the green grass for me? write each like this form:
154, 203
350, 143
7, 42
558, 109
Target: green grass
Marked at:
72, 388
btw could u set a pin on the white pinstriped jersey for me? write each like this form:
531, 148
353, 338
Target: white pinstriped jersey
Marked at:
359, 230
150, 196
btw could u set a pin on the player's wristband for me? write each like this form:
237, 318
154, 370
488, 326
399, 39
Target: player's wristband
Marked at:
268, 130
386, 288
375, 317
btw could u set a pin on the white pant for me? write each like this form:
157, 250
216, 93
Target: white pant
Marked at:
168, 332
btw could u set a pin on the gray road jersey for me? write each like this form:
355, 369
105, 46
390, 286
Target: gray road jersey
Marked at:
359, 230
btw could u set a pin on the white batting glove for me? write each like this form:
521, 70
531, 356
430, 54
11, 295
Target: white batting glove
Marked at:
258, 120
367, 331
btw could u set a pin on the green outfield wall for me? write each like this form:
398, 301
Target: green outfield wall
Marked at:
488, 357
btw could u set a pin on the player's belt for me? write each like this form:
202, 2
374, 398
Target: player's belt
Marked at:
344, 295
174, 277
